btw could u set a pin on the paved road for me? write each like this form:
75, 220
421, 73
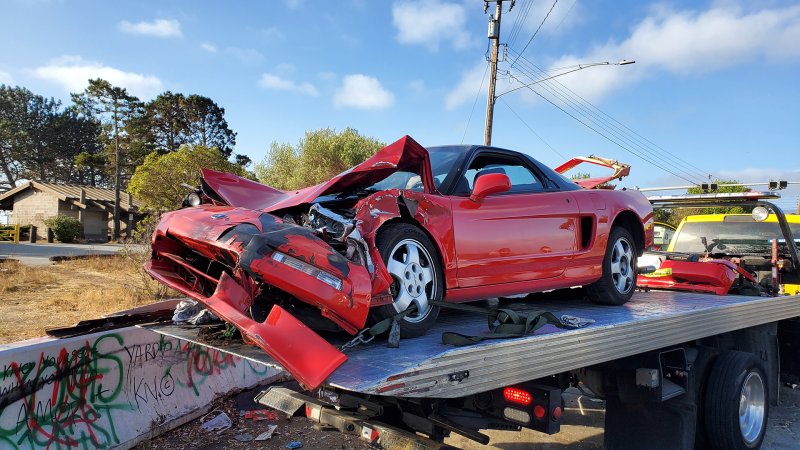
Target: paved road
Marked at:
39, 254
582, 427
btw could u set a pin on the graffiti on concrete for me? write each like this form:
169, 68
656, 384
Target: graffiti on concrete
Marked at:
60, 395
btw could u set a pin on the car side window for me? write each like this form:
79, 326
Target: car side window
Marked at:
521, 177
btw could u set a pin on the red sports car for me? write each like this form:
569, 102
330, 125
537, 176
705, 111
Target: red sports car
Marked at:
406, 227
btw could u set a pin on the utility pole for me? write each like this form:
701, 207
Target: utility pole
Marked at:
494, 36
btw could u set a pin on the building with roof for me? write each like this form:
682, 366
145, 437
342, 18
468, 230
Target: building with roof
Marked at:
35, 201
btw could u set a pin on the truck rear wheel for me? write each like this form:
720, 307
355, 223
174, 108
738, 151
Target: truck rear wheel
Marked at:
736, 403
616, 285
417, 278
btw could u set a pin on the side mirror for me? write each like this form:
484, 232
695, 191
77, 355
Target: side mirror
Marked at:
489, 184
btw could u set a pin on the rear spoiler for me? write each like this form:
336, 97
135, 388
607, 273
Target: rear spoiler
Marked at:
620, 170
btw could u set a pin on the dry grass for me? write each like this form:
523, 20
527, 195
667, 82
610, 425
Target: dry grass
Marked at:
16, 277
35, 298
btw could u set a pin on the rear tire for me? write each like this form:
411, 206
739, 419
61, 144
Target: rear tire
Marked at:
616, 285
417, 277
736, 404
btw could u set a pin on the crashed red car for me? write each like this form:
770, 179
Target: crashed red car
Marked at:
408, 226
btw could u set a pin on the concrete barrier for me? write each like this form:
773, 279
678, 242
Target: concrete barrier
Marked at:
111, 389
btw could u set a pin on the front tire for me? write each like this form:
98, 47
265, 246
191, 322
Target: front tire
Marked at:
736, 404
417, 278
618, 281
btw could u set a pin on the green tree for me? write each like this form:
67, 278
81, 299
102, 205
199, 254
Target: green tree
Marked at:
76, 135
206, 124
320, 155
40, 140
40, 121
114, 107
91, 168
166, 122
174, 120
665, 216
158, 184
13, 115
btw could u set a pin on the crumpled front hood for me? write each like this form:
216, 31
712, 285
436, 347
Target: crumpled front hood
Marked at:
404, 154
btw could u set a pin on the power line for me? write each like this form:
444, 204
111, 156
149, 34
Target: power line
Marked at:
606, 137
618, 134
535, 32
477, 94
638, 137
615, 140
519, 23
565, 15
531, 129
607, 124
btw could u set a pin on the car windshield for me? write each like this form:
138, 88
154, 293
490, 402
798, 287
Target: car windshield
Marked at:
442, 160
732, 238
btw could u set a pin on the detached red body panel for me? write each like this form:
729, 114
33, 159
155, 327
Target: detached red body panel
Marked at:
301, 351
272, 262
714, 276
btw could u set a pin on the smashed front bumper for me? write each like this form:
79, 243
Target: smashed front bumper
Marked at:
222, 256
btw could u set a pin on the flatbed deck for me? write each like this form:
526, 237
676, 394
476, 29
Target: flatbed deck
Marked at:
424, 367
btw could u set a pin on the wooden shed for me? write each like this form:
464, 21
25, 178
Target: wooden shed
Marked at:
35, 201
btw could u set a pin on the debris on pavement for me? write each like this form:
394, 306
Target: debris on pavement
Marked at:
218, 423
192, 436
267, 435
259, 414
244, 437
294, 444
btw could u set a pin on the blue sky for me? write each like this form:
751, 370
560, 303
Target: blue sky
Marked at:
715, 83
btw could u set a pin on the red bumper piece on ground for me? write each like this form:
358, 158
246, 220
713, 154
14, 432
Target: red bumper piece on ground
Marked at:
301, 351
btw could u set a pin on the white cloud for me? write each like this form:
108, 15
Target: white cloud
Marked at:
210, 48
564, 16
73, 74
5, 78
159, 28
285, 69
272, 33
363, 92
245, 55
293, 4
417, 86
689, 43
469, 86
270, 81
431, 24
326, 76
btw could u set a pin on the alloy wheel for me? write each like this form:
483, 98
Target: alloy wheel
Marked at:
622, 270
411, 266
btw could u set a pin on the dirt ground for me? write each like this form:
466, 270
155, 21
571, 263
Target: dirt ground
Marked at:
192, 436
33, 298
582, 429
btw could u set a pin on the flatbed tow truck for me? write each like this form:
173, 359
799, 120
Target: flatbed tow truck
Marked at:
678, 370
